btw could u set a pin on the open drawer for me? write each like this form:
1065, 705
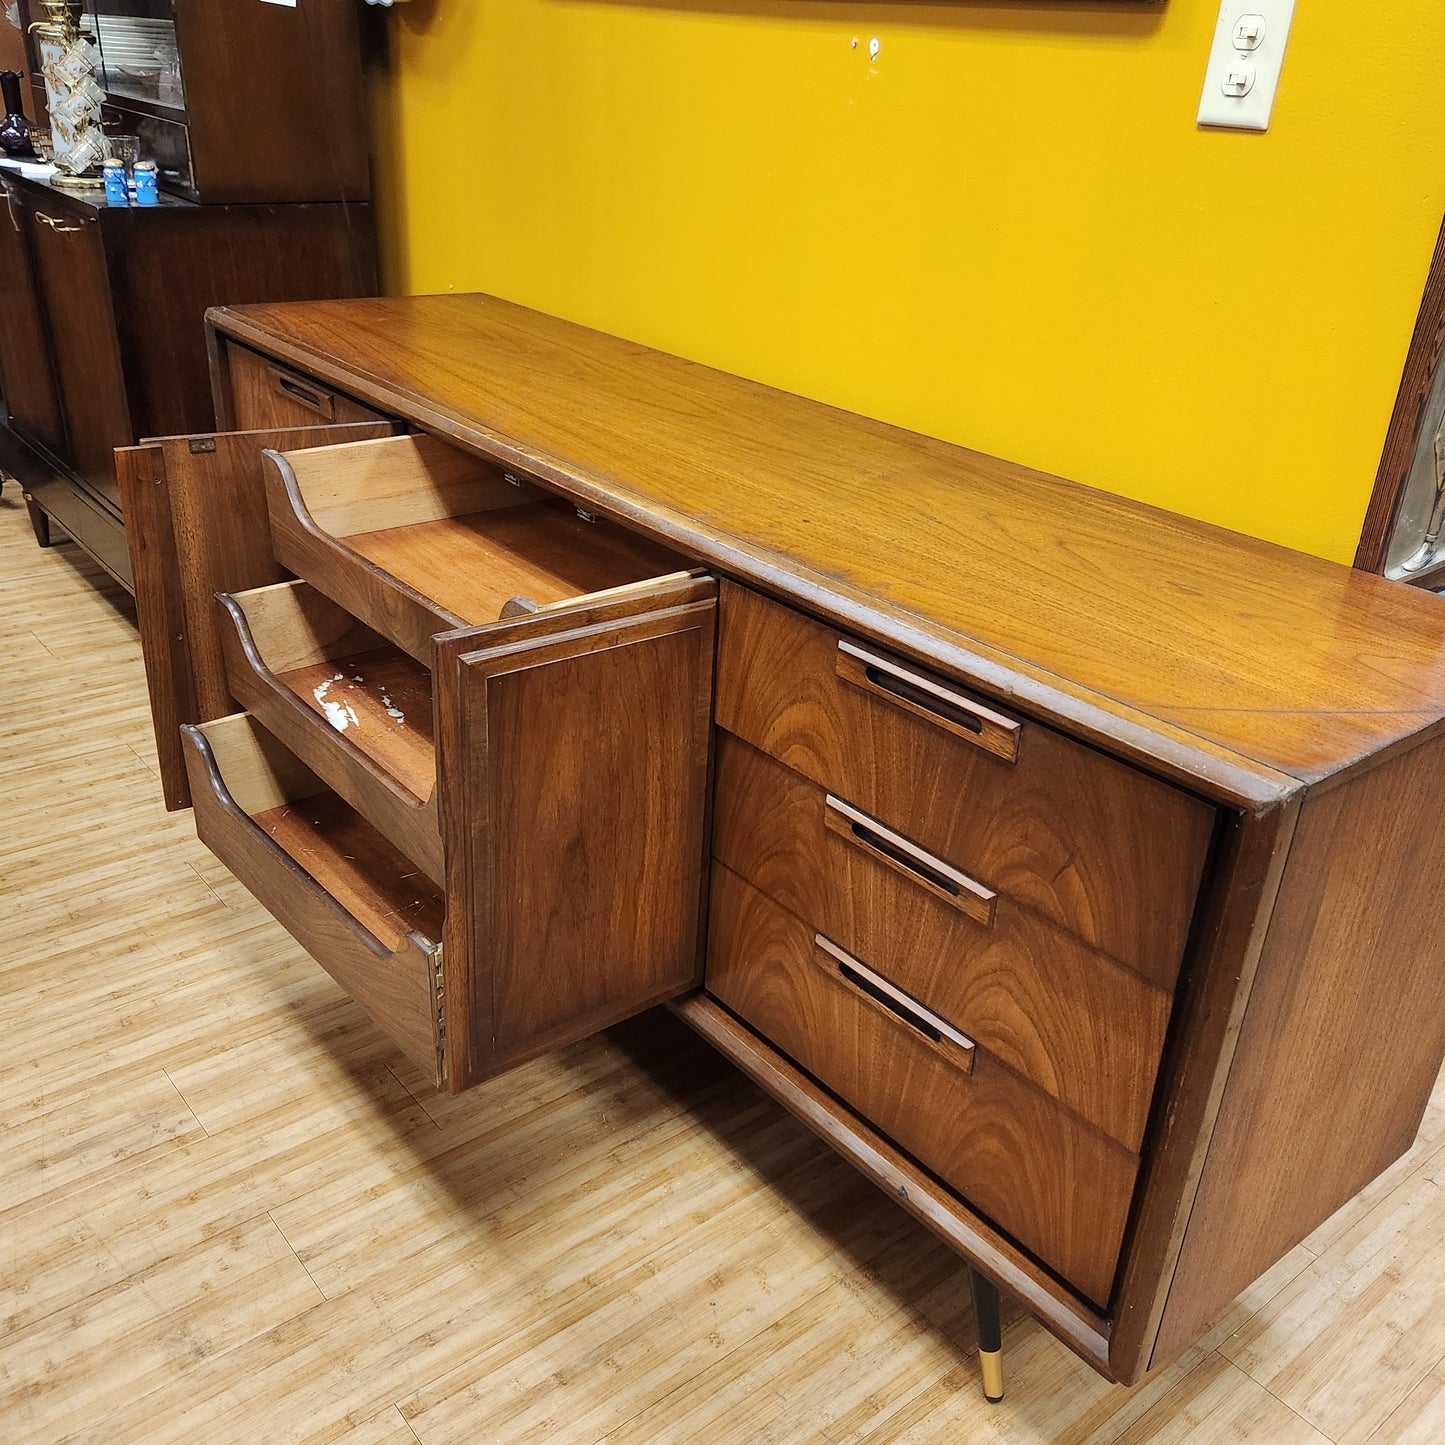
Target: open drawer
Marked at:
571, 761
353, 706
416, 537
360, 908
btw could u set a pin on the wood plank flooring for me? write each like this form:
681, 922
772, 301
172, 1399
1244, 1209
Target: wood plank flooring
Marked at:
229, 1211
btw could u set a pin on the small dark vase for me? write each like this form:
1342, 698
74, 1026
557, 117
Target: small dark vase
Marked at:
14, 128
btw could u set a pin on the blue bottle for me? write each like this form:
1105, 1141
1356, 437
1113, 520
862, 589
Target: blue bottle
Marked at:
147, 192
115, 187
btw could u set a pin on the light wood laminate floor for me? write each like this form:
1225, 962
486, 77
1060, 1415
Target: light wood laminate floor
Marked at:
229, 1211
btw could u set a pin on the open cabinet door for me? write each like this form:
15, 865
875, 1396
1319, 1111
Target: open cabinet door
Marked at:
196, 524
574, 758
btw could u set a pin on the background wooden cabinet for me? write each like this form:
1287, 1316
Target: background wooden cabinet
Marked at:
270, 104
102, 334
27, 387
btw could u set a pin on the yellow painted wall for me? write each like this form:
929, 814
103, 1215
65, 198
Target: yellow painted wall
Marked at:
1006, 231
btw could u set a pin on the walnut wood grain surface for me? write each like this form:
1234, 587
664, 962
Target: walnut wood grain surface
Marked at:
207, 493
1335, 1062
1249, 862
381, 699
264, 395
631, 1208
1242, 660
1099, 848
374, 883
1059, 1187
356, 710
574, 756
1082, 1328
160, 611
355, 904
473, 565
1062, 1014
416, 537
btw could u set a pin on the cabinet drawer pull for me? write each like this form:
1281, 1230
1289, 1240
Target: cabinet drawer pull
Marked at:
311, 397
61, 226
922, 696
942, 879
957, 1048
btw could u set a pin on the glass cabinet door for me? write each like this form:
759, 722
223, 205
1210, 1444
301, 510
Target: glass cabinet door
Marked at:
140, 61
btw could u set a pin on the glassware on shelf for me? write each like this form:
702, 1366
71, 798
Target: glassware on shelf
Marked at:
172, 92
68, 62
122, 147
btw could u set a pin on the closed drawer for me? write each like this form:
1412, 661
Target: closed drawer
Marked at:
265, 394
1103, 850
415, 538
354, 707
1059, 1187
342, 891
1063, 1014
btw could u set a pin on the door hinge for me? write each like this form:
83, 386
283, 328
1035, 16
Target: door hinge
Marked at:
439, 1003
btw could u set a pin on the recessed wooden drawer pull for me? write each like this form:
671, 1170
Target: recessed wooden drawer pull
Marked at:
312, 397
951, 710
904, 856
957, 1048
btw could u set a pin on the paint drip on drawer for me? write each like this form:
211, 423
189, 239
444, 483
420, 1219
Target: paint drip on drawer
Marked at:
341, 715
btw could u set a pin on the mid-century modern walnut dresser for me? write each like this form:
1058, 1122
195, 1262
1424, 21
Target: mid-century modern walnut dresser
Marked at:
1069, 866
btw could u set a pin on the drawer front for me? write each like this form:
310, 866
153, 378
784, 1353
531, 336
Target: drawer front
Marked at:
1057, 1186
266, 394
1093, 845
1066, 1016
337, 887
574, 755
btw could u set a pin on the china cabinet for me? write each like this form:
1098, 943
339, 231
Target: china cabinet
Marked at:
236, 100
254, 113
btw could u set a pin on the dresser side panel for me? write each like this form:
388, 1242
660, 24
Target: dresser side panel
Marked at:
1341, 1043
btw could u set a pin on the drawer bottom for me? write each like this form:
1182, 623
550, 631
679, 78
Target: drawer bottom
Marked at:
1043, 1176
367, 915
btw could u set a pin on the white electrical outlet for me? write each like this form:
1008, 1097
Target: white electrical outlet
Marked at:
1244, 64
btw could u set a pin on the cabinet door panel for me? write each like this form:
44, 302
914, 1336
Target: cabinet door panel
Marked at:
27, 384
196, 525
71, 268
574, 778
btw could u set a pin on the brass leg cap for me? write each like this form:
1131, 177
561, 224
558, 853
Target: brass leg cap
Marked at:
991, 1363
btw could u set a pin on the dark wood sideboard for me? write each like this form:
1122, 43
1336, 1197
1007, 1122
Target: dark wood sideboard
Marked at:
265, 187
1068, 865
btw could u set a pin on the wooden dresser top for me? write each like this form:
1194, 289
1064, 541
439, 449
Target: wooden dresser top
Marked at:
1240, 667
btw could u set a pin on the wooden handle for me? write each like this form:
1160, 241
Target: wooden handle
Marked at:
311, 397
946, 1040
940, 705
904, 856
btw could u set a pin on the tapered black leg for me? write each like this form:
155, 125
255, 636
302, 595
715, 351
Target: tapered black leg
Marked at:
990, 1336
39, 523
